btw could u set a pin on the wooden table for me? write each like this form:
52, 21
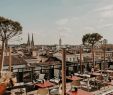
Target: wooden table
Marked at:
79, 92
73, 78
46, 84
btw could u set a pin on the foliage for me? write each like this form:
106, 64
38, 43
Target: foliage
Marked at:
9, 28
91, 39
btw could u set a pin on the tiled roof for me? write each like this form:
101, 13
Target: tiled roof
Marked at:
16, 60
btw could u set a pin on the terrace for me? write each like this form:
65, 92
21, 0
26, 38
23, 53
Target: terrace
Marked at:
47, 79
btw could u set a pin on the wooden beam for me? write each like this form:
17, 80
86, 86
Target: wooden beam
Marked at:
81, 60
63, 72
10, 58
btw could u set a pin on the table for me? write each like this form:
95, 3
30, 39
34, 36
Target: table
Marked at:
73, 78
79, 92
19, 91
45, 84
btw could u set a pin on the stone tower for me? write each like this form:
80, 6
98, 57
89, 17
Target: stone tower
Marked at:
60, 42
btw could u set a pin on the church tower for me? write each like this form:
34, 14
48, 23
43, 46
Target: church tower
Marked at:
60, 42
32, 42
28, 41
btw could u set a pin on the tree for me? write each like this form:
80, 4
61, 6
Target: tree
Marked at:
8, 29
91, 40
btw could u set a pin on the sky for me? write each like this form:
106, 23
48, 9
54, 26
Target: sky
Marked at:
50, 20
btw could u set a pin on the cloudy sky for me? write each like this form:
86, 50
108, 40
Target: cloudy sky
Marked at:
49, 20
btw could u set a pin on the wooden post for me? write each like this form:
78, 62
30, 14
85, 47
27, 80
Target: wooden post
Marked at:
80, 59
93, 56
32, 74
105, 56
104, 42
10, 59
63, 72
2, 57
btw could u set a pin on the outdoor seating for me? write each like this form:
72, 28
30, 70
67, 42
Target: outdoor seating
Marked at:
41, 78
72, 78
55, 80
29, 87
46, 84
76, 74
79, 92
54, 91
68, 87
86, 75
86, 84
18, 91
43, 92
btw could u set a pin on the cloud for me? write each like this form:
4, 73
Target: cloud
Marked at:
66, 21
64, 25
105, 11
96, 19
64, 29
62, 21
105, 8
106, 26
89, 28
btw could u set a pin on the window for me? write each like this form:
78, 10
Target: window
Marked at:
67, 59
70, 59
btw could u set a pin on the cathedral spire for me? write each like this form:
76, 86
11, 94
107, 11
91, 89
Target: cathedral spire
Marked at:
28, 41
32, 41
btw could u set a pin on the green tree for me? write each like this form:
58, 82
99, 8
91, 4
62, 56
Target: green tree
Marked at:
91, 40
8, 29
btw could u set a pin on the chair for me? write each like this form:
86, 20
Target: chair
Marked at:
76, 74
18, 91
41, 78
14, 79
55, 80
54, 90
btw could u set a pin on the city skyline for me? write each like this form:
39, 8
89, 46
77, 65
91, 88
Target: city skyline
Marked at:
50, 20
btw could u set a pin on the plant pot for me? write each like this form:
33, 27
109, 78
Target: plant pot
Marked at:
2, 88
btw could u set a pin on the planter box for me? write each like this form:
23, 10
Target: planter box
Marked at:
2, 88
